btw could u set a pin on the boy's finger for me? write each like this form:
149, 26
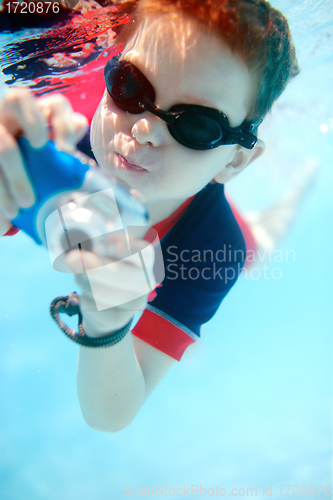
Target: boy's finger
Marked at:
81, 259
20, 115
14, 180
67, 127
119, 247
8, 207
5, 225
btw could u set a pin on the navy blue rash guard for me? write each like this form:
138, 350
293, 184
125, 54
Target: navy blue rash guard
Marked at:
203, 253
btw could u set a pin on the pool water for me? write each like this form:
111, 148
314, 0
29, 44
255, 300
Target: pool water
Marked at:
250, 406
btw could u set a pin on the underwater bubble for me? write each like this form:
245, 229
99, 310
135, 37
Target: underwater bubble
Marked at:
324, 128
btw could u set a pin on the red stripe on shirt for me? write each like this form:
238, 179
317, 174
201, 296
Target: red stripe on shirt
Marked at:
162, 334
154, 329
11, 231
165, 225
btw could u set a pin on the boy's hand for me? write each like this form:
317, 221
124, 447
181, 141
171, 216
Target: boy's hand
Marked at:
117, 283
5, 225
38, 120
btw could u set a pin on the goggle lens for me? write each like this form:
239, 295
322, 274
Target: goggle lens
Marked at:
123, 85
198, 129
124, 90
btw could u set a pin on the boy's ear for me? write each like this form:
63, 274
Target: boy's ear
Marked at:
241, 159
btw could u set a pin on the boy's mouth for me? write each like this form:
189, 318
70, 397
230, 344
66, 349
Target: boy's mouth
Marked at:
127, 164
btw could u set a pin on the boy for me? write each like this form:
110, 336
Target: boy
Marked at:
176, 122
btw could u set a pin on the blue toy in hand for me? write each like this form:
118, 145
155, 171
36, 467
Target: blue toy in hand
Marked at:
77, 205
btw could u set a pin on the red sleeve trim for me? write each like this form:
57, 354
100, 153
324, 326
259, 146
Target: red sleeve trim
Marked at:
11, 231
162, 334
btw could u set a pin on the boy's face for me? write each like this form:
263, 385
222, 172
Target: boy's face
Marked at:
185, 65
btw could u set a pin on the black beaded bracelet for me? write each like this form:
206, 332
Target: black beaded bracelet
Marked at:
70, 305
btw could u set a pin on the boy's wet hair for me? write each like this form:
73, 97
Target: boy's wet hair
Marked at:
253, 29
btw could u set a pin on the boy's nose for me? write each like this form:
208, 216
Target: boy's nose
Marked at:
149, 130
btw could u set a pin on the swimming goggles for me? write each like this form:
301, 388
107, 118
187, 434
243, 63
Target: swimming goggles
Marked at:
193, 126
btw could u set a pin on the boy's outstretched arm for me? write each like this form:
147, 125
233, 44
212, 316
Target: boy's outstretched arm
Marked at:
114, 382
